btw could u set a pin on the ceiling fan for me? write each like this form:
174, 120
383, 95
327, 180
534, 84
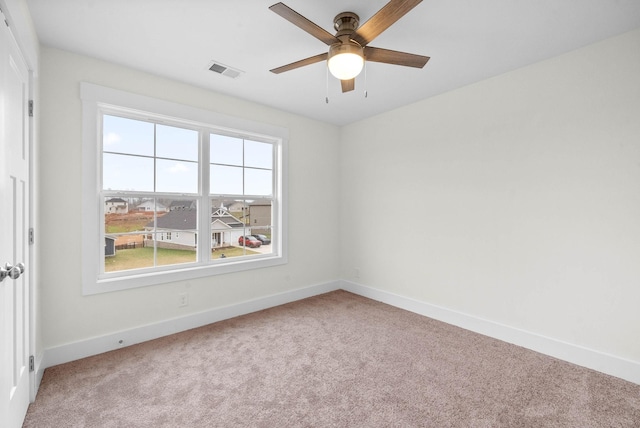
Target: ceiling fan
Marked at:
348, 48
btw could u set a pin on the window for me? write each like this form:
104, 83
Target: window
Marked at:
158, 176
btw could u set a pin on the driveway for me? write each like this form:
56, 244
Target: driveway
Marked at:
262, 249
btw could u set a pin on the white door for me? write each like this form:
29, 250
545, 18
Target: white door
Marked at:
14, 212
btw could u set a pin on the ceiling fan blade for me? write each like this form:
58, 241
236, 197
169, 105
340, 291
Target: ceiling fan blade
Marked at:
388, 56
301, 63
383, 19
303, 23
348, 85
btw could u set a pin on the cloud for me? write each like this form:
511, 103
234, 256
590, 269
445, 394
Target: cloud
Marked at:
111, 138
178, 168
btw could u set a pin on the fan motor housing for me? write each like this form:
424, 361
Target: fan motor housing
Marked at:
346, 23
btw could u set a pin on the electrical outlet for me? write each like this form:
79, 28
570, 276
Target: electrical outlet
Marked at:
183, 299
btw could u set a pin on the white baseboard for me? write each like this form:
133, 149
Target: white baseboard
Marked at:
97, 345
605, 363
585, 357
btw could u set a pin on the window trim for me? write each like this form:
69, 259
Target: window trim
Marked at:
97, 98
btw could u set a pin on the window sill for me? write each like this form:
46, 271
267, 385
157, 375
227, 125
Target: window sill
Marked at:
175, 274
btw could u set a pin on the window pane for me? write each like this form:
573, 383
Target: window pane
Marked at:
259, 222
125, 229
127, 136
138, 228
226, 180
257, 182
176, 236
258, 155
225, 150
227, 226
176, 176
176, 143
123, 172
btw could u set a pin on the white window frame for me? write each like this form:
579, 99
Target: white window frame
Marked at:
98, 100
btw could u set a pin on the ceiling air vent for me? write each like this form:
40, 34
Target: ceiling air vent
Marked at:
225, 70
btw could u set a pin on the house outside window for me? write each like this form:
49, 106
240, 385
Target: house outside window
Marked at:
167, 173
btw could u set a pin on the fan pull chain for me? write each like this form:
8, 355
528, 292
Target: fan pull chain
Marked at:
326, 98
365, 80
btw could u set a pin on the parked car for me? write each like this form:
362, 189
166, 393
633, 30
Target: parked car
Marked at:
249, 241
263, 239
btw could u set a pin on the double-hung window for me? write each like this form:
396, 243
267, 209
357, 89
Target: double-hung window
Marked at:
173, 192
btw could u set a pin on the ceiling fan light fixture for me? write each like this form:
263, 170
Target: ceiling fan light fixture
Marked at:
345, 60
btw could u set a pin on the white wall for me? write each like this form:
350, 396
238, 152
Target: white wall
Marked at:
524, 194
67, 316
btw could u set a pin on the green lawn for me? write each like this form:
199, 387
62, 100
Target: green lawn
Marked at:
143, 257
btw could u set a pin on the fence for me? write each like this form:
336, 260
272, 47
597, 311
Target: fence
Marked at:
129, 246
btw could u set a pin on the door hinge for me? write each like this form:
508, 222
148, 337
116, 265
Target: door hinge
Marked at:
31, 236
32, 363
30, 108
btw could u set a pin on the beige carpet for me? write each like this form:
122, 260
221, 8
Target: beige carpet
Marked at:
336, 360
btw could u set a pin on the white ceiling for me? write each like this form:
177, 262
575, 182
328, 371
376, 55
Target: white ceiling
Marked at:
467, 40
